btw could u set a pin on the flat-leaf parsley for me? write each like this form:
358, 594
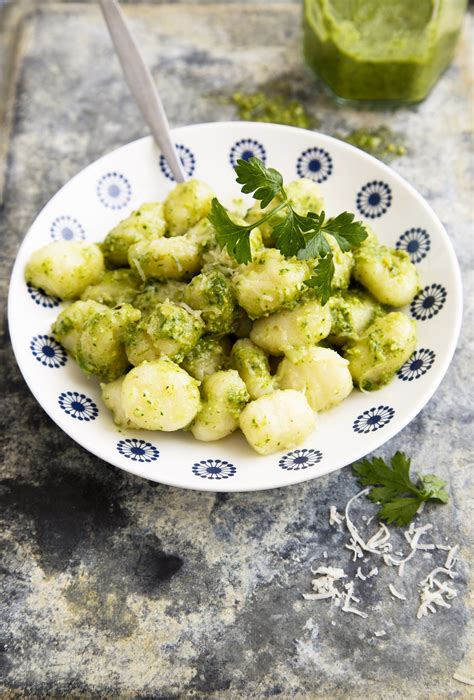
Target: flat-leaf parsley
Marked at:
303, 236
398, 495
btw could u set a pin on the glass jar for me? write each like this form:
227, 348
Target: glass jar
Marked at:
381, 49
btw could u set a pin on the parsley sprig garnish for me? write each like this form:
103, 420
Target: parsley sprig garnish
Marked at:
399, 496
295, 235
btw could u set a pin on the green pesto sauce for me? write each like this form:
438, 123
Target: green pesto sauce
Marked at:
373, 50
381, 142
259, 107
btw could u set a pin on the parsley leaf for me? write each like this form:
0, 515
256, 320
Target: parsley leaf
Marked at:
288, 235
322, 278
265, 183
399, 496
303, 236
347, 232
230, 235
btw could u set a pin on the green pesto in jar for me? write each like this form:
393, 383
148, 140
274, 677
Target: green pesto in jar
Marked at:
373, 50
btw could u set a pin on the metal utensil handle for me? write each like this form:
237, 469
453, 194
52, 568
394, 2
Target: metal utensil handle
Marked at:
141, 84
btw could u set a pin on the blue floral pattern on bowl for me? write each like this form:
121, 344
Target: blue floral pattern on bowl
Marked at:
419, 363
40, 297
428, 302
314, 164
187, 159
78, 406
214, 469
114, 190
245, 149
48, 351
300, 459
138, 450
374, 199
416, 242
66, 228
373, 419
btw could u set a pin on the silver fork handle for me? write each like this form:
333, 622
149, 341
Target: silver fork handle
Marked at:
141, 84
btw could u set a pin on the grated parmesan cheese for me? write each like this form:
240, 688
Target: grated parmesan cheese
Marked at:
327, 583
395, 593
335, 518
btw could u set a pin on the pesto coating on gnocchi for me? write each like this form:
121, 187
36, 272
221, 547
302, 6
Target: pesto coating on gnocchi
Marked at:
182, 336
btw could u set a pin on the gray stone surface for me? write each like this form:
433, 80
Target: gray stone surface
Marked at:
115, 587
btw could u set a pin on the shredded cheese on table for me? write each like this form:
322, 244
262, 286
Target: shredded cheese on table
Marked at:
334, 584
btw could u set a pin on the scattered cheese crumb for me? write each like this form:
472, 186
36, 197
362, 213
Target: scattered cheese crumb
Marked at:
395, 593
335, 518
433, 590
347, 600
328, 584
463, 679
380, 633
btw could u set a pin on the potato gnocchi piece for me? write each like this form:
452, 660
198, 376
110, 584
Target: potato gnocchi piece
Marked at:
352, 312
270, 283
100, 349
147, 221
225, 395
381, 350
211, 293
70, 323
64, 269
304, 196
320, 373
252, 364
186, 204
165, 258
155, 293
388, 274
160, 395
277, 421
307, 324
169, 330
209, 355
115, 287
112, 398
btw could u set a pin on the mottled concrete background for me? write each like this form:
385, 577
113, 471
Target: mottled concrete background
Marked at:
118, 588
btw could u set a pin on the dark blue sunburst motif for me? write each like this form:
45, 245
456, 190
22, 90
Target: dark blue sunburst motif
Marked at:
300, 459
419, 363
314, 164
214, 469
374, 199
416, 242
245, 149
138, 450
187, 159
428, 302
373, 419
48, 351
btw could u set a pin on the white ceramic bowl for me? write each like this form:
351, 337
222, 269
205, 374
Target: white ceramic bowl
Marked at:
106, 191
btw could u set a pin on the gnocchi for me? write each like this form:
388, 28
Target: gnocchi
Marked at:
252, 364
388, 274
183, 337
224, 396
160, 395
277, 421
381, 350
307, 324
66, 268
319, 373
